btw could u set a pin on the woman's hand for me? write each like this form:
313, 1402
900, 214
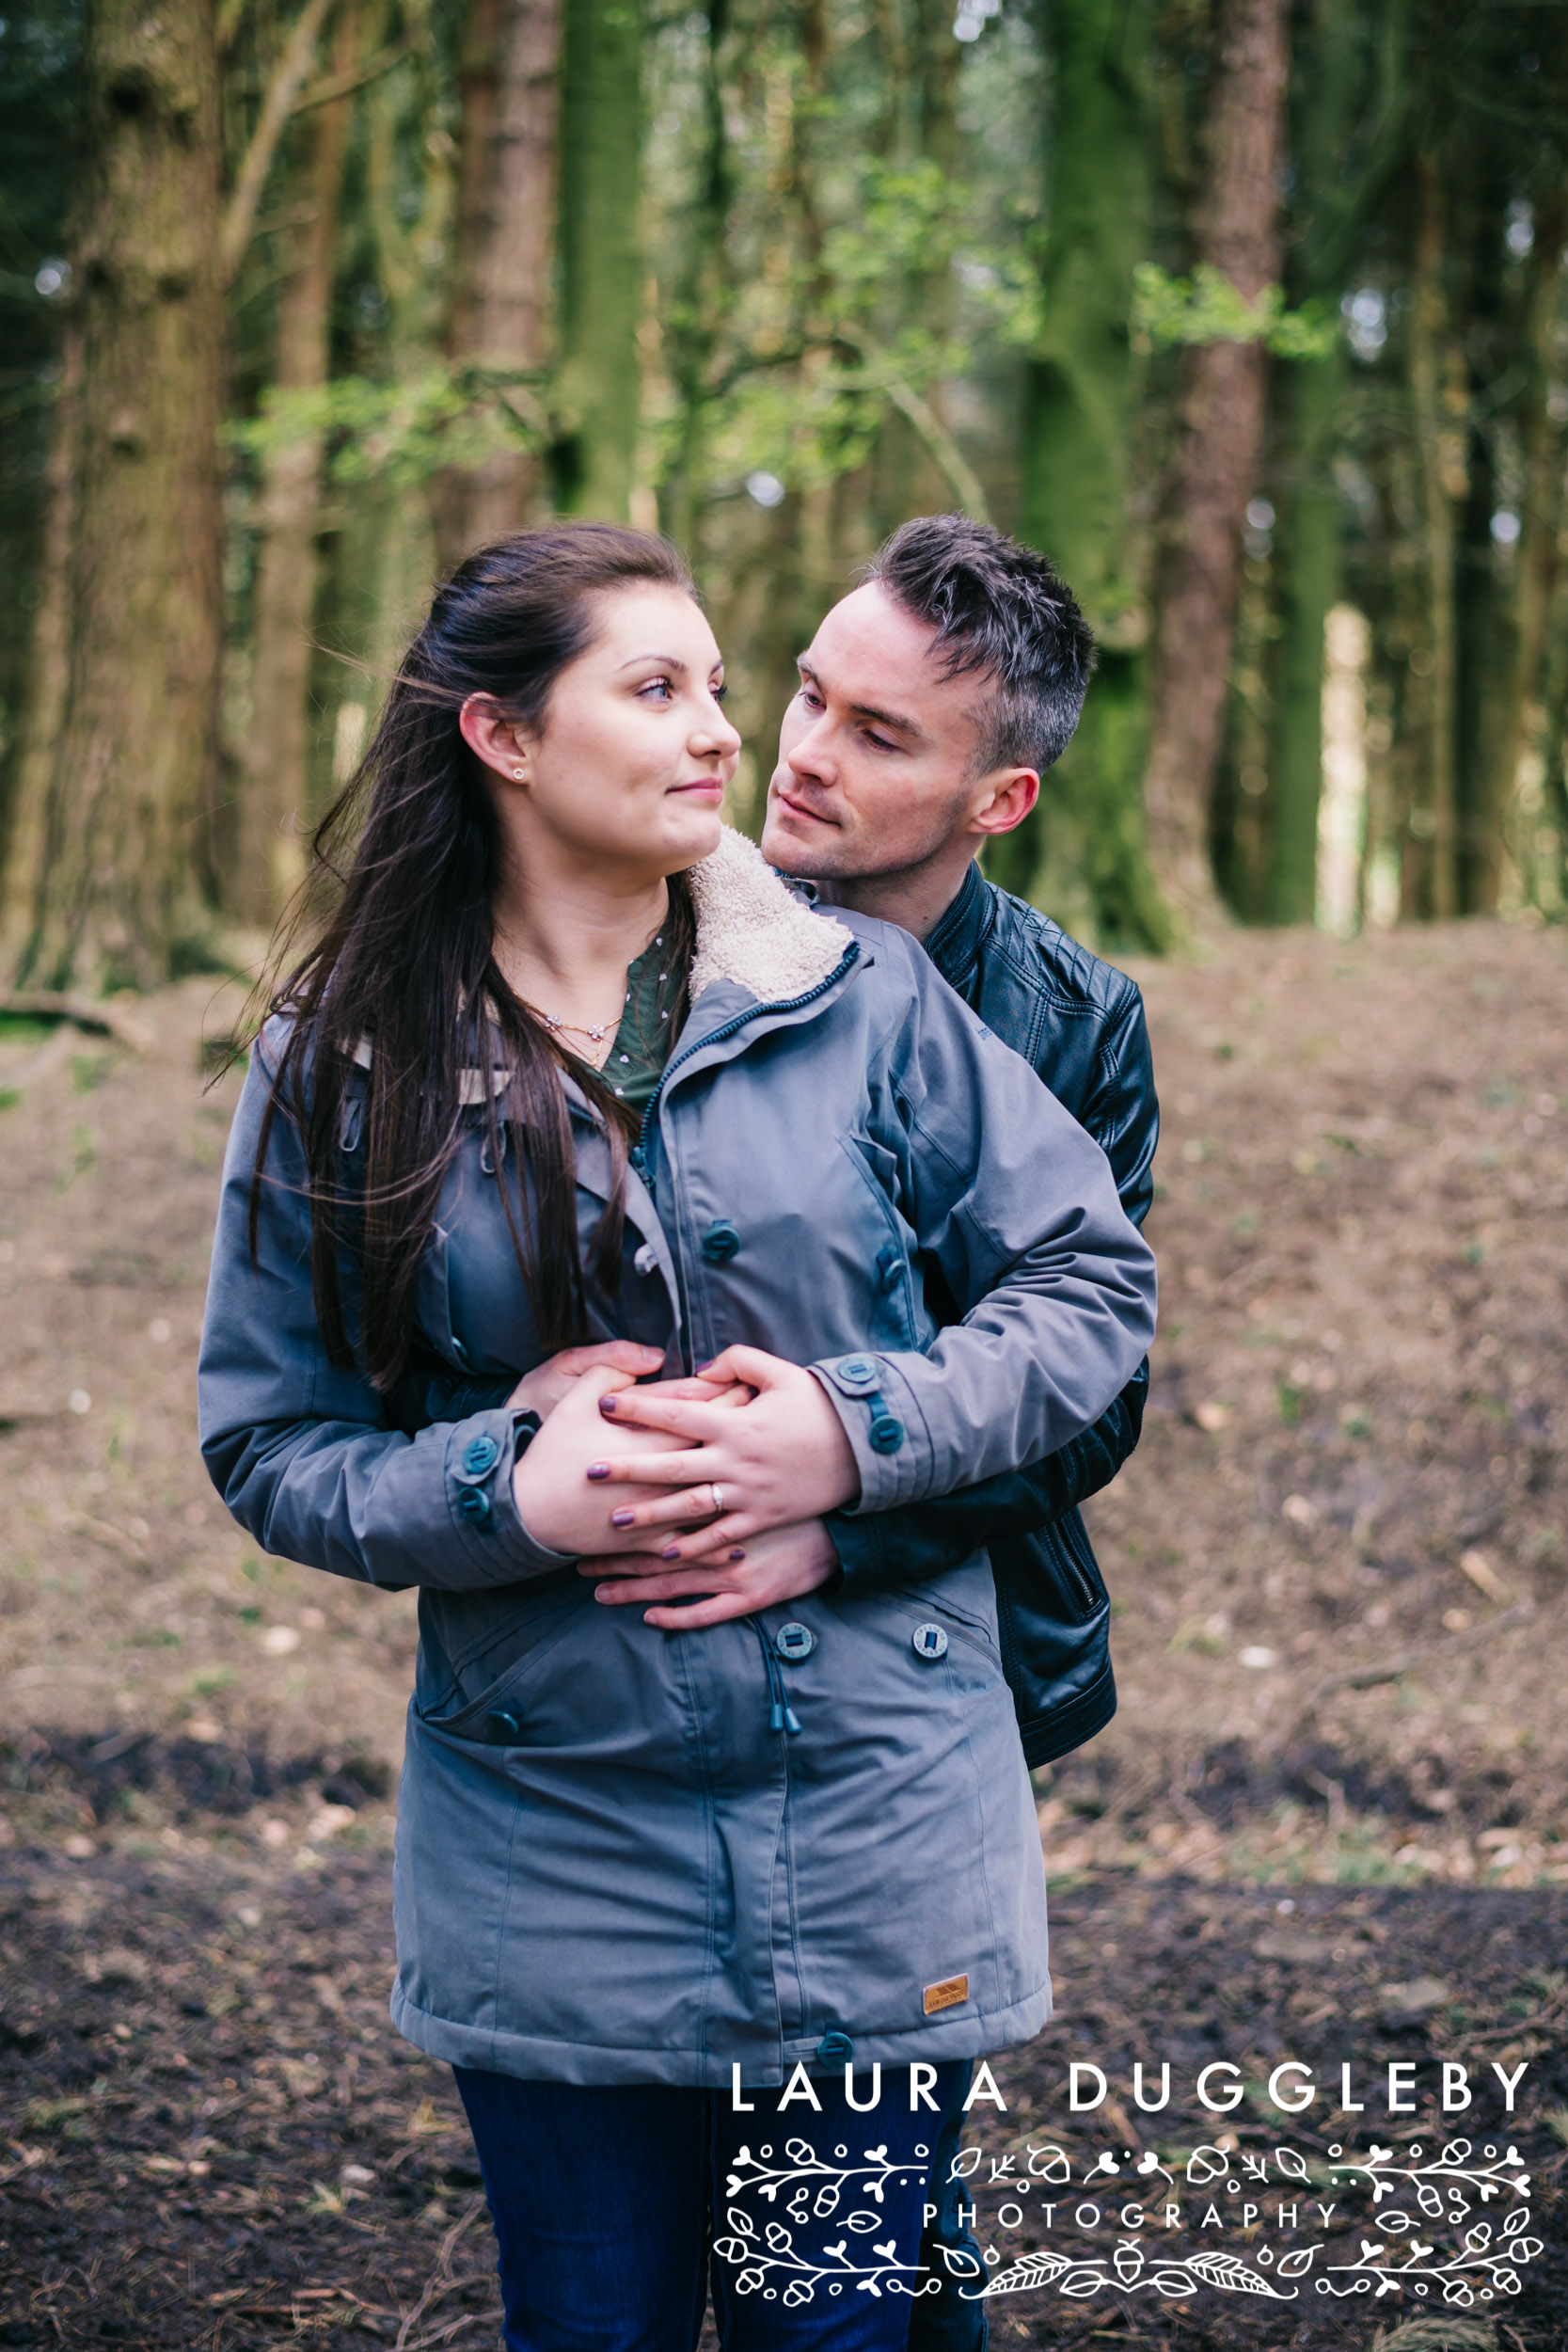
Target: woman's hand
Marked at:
784, 1565
561, 1504
780, 1458
541, 1391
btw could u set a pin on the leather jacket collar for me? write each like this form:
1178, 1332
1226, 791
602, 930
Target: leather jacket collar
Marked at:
954, 947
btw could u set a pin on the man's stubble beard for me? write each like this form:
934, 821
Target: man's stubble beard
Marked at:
853, 856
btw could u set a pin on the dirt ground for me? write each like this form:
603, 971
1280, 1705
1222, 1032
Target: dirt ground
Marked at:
1328, 1822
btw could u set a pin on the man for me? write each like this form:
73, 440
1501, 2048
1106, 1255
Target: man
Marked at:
931, 701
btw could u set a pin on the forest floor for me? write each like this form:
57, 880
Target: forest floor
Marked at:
1327, 1822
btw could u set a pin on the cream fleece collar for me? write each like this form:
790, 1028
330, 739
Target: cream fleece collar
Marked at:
753, 929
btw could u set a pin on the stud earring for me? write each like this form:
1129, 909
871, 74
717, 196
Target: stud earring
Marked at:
517, 775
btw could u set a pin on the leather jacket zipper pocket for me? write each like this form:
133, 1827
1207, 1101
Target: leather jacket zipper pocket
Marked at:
1079, 1564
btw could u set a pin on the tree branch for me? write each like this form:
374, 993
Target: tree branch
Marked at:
277, 106
343, 85
933, 435
942, 447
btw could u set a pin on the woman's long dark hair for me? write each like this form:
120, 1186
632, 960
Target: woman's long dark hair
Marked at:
402, 962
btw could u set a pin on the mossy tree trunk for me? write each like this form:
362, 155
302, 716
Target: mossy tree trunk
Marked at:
1308, 551
49, 661
274, 755
1219, 442
502, 293
703, 295
1430, 885
112, 897
1525, 659
601, 146
1077, 421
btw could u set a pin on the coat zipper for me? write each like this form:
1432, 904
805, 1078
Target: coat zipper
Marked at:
726, 1029
781, 1716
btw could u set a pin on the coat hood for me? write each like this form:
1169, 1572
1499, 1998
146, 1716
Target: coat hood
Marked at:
751, 929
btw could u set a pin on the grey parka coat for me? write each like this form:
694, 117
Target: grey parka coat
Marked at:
625, 1856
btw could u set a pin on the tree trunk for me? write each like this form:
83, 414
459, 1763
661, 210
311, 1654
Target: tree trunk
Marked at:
1220, 428
49, 664
504, 246
1308, 538
703, 295
112, 895
1308, 543
1441, 456
274, 760
1505, 666
1075, 467
601, 145
1539, 545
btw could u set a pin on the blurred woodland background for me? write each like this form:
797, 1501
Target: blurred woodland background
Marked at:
1252, 314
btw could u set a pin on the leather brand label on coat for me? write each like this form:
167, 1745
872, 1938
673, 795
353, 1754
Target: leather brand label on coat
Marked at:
948, 1994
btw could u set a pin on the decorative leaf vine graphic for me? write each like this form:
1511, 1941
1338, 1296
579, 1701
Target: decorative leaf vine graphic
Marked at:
808, 2177
1422, 2237
1446, 2188
764, 2260
1130, 2268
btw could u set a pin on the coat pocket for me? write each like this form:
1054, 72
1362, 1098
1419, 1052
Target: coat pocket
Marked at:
893, 1320
492, 1661
964, 1625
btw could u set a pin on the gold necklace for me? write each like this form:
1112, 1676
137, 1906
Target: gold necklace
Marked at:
576, 1029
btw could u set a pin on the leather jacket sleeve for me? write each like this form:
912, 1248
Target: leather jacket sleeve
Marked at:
1120, 1110
923, 1539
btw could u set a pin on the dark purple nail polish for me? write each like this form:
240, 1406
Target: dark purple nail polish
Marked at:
598, 1469
671, 1551
738, 1555
607, 1405
622, 1518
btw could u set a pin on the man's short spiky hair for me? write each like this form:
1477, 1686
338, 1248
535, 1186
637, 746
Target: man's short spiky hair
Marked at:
1002, 611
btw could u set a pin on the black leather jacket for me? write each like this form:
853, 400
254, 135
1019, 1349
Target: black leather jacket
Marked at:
1081, 1026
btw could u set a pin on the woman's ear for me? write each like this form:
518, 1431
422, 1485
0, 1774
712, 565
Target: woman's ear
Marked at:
493, 738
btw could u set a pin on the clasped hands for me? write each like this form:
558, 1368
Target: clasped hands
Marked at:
627, 1477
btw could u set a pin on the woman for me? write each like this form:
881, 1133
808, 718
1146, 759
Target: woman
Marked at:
567, 1064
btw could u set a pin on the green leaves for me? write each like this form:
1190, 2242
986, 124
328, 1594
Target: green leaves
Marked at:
405, 430
1206, 309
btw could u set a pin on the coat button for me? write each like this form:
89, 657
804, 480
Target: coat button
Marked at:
929, 1641
887, 1434
890, 1265
480, 1455
721, 1242
507, 1724
473, 1504
793, 1640
856, 1372
835, 2049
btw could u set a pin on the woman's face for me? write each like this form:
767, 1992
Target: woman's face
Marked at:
630, 767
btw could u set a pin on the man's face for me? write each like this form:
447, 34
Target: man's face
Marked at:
875, 753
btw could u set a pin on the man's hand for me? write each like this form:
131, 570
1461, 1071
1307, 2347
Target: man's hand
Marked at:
782, 1457
541, 1391
783, 1564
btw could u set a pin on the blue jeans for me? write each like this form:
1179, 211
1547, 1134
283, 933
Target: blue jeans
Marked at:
608, 2202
